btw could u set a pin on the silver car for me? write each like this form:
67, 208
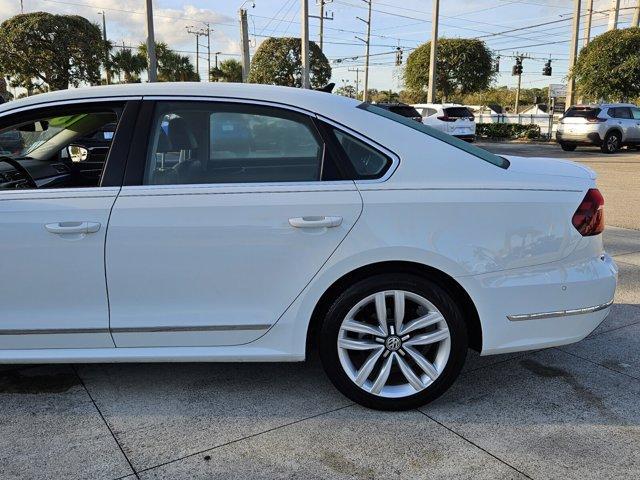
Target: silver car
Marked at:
609, 126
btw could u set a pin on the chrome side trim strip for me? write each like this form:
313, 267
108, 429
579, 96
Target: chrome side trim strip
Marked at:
75, 331
52, 331
560, 313
203, 328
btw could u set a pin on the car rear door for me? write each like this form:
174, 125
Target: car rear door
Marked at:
222, 222
53, 286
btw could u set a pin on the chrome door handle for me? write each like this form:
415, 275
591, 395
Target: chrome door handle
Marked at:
315, 222
62, 228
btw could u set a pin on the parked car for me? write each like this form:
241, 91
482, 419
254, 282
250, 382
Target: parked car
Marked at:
608, 125
241, 222
456, 120
401, 109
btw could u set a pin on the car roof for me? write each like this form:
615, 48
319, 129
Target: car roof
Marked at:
603, 105
311, 100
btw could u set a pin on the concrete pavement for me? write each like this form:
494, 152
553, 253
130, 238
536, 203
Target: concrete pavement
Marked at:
569, 412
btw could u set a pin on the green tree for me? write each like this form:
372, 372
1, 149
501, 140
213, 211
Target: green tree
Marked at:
59, 50
347, 91
129, 64
172, 67
228, 71
278, 61
609, 67
463, 66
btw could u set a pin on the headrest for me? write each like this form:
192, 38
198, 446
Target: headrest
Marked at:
178, 135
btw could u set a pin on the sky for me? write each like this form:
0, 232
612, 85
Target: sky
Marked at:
405, 24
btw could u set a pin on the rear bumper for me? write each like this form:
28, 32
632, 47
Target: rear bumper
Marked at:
591, 138
466, 138
544, 306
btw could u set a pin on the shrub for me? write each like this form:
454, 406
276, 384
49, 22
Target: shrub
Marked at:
507, 130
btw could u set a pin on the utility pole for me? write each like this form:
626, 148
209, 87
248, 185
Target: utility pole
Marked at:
21, 6
208, 52
151, 44
573, 54
587, 26
367, 42
636, 16
217, 53
304, 22
106, 48
197, 34
517, 70
357, 70
322, 18
244, 39
431, 94
614, 12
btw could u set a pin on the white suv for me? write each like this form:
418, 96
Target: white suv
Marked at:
609, 126
451, 118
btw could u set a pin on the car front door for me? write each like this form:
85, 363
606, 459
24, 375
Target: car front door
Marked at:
634, 135
222, 222
53, 287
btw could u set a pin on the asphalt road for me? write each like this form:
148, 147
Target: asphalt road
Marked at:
618, 175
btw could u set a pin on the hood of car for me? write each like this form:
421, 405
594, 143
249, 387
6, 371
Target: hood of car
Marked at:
549, 166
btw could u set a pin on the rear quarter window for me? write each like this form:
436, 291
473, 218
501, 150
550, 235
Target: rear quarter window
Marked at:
432, 132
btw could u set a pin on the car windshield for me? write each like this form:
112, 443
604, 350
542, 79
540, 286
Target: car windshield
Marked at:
404, 110
458, 112
432, 132
584, 112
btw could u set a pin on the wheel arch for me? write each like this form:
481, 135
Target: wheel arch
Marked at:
470, 313
614, 129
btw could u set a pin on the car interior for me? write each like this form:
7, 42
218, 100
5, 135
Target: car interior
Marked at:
57, 151
198, 147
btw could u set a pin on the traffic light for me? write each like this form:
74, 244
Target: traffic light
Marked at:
496, 64
398, 56
546, 70
517, 68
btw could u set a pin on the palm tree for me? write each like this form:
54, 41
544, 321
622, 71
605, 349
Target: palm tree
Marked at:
129, 64
172, 67
229, 71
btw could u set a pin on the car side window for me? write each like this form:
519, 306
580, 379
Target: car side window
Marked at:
620, 112
207, 143
56, 148
431, 111
636, 113
367, 162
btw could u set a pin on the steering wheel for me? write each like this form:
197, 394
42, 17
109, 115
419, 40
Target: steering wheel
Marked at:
15, 164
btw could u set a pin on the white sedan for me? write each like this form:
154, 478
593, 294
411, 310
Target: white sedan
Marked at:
230, 222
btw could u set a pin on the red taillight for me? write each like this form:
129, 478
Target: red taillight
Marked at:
589, 217
596, 120
444, 118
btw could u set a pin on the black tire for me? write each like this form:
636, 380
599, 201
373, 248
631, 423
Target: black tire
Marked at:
431, 291
612, 143
568, 147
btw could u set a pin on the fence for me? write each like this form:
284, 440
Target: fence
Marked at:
547, 123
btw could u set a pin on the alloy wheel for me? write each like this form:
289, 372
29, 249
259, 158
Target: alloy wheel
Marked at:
394, 343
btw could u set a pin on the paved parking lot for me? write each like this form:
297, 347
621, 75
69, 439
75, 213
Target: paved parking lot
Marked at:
570, 412
618, 175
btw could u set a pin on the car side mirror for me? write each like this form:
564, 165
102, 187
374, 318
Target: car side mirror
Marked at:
78, 153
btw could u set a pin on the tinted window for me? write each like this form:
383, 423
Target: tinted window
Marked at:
458, 112
366, 161
432, 132
215, 143
620, 112
404, 110
585, 112
636, 113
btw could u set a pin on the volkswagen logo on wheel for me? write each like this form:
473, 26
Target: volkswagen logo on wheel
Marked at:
393, 343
